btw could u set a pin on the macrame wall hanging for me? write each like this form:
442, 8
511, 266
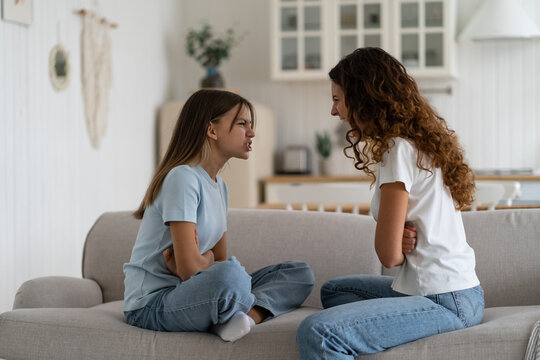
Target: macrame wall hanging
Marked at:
96, 73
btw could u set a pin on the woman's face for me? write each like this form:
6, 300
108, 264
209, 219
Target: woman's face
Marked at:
234, 134
338, 102
338, 105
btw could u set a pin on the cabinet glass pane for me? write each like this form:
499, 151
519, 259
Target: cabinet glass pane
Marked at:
289, 19
312, 18
348, 44
289, 54
434, 49
313, 52
434, 14
409, 50
409, 15
347, 17
372, 40
372, 16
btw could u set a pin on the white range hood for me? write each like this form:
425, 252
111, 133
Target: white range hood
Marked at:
500, 19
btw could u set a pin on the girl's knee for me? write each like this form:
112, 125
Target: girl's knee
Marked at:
327, 290
303, 272
230, 274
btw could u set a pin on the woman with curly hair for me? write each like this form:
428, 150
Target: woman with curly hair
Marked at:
422, 181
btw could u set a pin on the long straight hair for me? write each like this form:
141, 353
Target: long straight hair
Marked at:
189, 143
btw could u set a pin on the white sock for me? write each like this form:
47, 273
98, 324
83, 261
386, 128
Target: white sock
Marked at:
238, 325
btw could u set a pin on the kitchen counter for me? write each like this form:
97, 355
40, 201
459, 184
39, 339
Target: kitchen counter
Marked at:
312, 189
357, 178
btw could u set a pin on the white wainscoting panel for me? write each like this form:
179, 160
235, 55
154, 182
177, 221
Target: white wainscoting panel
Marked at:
53, 184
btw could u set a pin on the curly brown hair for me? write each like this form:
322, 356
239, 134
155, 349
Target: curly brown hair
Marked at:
383, 103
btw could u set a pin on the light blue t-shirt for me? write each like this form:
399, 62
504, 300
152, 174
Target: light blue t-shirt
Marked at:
187, 194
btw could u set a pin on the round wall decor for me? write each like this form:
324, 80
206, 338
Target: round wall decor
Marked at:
59, 69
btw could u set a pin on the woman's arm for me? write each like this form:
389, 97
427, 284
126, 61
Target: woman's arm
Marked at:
391, 224
187, 259
220, 249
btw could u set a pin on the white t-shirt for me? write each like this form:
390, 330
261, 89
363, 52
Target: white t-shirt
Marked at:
442, 260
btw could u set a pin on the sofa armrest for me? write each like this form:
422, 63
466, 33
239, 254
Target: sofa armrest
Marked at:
58, 292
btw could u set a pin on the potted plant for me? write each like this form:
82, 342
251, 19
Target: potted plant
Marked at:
209, 50
323, 145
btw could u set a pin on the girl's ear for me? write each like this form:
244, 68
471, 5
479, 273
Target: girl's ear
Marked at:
211, 132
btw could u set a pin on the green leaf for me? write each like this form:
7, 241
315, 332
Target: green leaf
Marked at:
207, 48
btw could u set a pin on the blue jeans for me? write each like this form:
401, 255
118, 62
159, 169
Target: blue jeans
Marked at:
363, 315
213, 295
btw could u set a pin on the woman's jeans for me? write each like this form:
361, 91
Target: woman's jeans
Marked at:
213, 295
363, 315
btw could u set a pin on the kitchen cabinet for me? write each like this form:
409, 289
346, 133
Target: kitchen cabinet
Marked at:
308, 37
360, 23
300, 39
423, 33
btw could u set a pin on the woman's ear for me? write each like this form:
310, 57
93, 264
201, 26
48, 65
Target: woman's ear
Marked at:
211, 132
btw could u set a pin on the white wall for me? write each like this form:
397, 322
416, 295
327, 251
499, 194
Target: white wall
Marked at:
53, 184
494, 107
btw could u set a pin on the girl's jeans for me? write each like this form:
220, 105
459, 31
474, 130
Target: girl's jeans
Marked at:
213, 295
363, 315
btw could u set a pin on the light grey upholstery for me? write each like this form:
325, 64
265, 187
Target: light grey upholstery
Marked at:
64, 318
333, 244
108, 246
507, 248
58, 291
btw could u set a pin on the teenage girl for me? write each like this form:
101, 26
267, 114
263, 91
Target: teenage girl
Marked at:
422, 180
179, 277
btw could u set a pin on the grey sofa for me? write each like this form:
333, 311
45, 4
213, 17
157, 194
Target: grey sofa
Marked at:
67, 318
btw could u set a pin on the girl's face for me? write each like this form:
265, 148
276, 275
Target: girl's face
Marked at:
338, 102
234, 134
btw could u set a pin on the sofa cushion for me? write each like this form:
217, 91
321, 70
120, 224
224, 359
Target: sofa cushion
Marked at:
108, 246
254, 239
100, 333
507, 248
333, 244
503, 334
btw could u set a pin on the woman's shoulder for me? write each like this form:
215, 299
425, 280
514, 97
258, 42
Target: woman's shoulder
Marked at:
400, 142
403, 147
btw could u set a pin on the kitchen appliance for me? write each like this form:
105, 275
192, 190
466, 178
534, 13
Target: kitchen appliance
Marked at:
296, 160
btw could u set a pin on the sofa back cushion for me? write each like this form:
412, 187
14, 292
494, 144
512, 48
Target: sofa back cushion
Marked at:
333, 244
507, 248
506, 244
108, 246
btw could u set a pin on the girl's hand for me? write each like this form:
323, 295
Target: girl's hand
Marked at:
170, 261
409, 239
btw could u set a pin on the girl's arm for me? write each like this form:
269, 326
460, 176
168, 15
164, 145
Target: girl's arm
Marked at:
187, 258
391, 224
220, 249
